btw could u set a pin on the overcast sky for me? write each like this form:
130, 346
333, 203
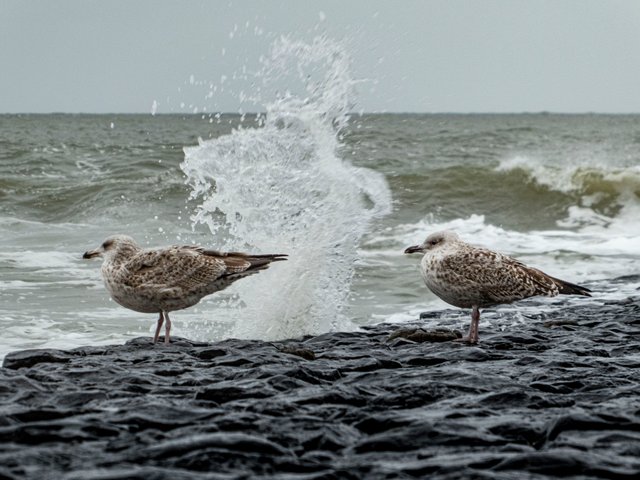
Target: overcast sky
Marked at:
418, 56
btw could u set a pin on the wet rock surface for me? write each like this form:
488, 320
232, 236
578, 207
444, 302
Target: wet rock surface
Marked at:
557, 396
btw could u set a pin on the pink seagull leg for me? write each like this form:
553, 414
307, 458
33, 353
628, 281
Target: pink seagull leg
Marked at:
472, 336
160, 322
167, 331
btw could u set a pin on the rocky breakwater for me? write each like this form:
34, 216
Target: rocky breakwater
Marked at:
557, 396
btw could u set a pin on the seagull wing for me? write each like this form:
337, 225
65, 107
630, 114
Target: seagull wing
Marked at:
178, 268
190, 270
498, 278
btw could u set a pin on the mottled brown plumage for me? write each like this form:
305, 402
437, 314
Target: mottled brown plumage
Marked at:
473, 277
166, 279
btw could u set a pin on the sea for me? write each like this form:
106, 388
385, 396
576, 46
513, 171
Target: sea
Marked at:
341, 191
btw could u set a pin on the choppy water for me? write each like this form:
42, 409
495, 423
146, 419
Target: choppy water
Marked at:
344, 195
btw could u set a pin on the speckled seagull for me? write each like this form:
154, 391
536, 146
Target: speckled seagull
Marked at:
161, 280
466, 276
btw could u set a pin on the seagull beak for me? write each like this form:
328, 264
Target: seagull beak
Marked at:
92, 253
413, 249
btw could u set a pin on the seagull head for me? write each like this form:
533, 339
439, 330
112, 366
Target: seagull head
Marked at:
113, 246
433, 241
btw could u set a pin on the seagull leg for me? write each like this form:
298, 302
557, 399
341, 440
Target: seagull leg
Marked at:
167, 331
472, 336
160, 322
475, 324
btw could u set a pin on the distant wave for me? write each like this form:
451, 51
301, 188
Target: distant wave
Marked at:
594, 183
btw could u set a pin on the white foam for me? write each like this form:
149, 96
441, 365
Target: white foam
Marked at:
39, 260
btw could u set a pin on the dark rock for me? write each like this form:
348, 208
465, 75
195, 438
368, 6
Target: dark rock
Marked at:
229, 391
209, 353
29, 358
560, 323
300, 352
419, 335
531, 402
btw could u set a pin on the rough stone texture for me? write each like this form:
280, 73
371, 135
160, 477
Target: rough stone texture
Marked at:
559, 396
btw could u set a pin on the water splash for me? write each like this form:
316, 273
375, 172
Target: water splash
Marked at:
283, 188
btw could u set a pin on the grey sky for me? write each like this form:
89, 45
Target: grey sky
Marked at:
422, 56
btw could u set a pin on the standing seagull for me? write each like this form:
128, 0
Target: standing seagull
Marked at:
162, 280
474, 277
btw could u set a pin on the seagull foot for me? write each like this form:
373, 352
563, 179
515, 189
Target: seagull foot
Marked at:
467, 339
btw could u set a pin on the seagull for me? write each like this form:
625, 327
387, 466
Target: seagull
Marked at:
161, 280
467, 276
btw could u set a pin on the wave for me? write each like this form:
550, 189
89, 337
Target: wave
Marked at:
525, 194
607, 191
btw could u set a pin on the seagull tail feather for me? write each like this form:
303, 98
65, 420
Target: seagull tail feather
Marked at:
259, 262
568, 288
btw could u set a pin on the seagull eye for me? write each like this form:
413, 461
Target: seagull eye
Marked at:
107, 244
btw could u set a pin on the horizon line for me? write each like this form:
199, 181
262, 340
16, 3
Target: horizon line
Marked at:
213, 114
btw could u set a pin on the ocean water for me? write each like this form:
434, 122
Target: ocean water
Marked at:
342, 193
561, 192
